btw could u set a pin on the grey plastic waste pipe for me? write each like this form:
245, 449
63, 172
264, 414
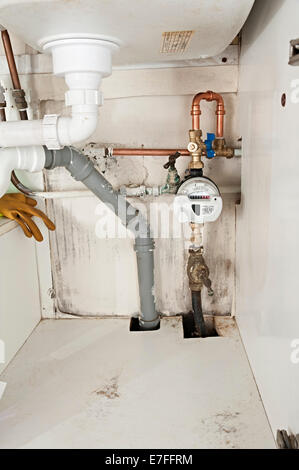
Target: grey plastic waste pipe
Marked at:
82, 169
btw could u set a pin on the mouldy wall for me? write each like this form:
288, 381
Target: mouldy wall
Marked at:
95, 276
148, 108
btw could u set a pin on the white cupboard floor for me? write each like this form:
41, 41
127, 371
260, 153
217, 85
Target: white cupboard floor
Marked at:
94, 384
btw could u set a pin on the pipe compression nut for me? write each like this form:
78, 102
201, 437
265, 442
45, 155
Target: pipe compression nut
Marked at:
20, 99
143, 245
50, 122
83, 97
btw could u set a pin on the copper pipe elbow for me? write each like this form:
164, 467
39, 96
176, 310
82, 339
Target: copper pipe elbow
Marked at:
196, 111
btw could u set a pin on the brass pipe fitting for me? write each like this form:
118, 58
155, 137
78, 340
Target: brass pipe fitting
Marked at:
196, 147
198, 272
221, 150
173, 178
196, 235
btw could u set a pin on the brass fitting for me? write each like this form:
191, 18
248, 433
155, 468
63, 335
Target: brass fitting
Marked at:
196, 235
198, 272
221, 150
196, 147
20, 100
173, 178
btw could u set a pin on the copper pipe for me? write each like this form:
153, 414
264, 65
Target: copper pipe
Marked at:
17, 86
12, 68
127, 152
10, 60
196, 111
148, 152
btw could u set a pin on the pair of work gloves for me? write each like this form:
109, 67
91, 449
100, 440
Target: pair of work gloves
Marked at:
21, 208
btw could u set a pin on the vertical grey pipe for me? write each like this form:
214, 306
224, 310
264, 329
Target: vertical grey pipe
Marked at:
144, 248
83, 170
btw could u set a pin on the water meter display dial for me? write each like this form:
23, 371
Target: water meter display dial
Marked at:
198, 200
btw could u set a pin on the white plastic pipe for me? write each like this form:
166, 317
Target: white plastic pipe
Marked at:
21, 133
63, 194
79, 127
53, 131
19, 158
83, 62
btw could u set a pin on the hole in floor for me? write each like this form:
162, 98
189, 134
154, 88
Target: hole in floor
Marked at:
134, 325
190, 330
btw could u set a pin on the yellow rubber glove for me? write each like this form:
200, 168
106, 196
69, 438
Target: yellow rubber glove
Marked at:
18, 207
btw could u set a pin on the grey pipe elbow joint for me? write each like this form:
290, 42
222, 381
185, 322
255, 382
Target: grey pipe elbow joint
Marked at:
82, 169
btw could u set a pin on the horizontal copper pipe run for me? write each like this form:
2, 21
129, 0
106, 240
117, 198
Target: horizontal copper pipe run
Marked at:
148, 152
196, 111
126, 152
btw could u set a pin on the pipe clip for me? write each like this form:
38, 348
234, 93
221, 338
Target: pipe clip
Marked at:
144, 245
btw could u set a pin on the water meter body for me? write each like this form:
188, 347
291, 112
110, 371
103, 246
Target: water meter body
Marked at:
198, 200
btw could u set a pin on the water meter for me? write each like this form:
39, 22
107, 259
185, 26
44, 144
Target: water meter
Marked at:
198, 200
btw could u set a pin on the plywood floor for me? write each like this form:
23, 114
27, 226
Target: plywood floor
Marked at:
93, 384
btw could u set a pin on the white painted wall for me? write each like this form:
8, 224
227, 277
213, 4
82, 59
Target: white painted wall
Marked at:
268, 219
19, 289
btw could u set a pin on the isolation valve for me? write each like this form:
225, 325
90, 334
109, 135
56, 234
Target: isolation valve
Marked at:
209, 145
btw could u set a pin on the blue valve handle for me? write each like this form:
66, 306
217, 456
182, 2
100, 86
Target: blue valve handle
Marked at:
209, 141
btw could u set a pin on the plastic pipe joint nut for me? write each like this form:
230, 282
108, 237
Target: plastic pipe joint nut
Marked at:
209, 145
83, 97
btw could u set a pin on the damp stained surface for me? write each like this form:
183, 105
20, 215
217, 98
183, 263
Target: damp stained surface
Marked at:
91, 383
190, 330
135, 326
